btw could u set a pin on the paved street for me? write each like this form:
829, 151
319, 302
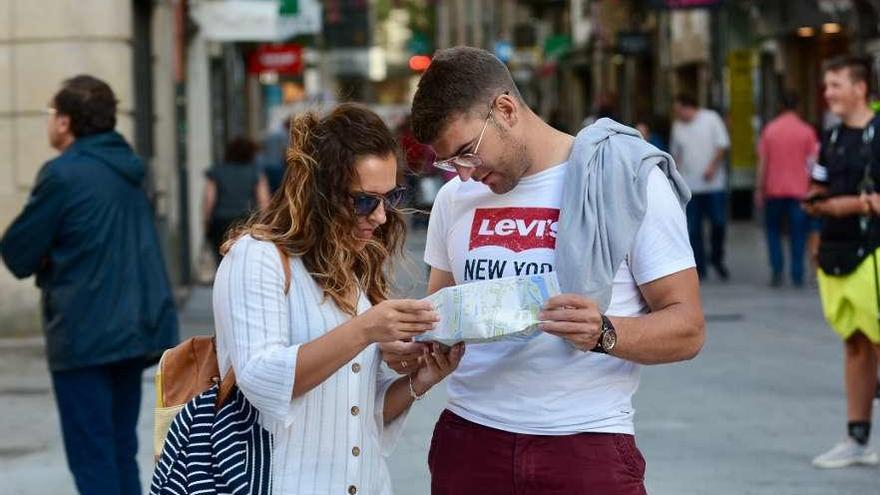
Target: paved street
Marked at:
745, 417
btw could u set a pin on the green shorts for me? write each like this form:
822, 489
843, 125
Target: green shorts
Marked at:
850, 301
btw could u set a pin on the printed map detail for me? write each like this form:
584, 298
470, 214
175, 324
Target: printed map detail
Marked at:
491, 310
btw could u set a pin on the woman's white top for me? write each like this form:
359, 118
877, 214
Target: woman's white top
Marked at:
332, 440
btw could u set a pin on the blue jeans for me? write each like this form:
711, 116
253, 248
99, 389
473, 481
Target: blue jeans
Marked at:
714, 206
99, 409
798, 223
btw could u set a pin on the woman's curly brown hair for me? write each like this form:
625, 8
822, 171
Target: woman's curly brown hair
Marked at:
312, 216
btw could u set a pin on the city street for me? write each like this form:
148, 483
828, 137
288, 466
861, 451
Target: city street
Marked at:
745, 417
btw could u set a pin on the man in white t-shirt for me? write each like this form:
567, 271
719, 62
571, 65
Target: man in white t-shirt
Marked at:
699, 141
547, 415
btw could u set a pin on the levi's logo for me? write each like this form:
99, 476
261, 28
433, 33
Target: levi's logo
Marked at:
517, 229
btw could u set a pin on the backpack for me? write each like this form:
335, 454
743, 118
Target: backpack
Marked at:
193, 400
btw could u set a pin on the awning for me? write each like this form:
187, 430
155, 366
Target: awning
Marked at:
254, 20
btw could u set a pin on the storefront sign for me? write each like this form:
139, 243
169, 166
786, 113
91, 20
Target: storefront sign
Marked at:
243, 20
282, 59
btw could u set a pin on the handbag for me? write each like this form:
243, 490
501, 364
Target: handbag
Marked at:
192, 401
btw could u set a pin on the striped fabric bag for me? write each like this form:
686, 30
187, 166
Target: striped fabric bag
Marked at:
212, 452
215, 444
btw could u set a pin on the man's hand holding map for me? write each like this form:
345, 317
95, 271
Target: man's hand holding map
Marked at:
491, 310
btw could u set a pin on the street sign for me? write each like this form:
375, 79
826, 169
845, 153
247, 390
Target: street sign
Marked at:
281, 59
556, 45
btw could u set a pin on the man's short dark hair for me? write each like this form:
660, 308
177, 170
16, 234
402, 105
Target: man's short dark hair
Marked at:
687, 100
790, 99
458, 80
859, 68
89, 103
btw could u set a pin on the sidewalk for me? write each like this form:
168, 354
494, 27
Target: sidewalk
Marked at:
745, 417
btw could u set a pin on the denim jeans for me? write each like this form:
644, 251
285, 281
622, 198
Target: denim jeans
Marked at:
713, 206
99, 409
798, 222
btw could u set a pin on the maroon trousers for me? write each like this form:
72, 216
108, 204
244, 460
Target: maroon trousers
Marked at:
470, 459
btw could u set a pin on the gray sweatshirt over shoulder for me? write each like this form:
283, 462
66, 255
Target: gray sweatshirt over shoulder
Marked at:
603, 204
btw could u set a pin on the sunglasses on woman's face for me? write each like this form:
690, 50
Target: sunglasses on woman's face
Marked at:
365, 203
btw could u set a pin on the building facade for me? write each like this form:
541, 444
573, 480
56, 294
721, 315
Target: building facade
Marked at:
128, 44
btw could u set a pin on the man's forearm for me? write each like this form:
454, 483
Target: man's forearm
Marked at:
716, 160
675, 333
843, 206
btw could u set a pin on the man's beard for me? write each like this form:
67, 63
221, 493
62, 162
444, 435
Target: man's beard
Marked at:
517, 162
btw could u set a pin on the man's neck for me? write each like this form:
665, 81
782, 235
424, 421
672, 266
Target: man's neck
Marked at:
546, 146
64, 143
859, 118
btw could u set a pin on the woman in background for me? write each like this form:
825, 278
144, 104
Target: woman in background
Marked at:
232, 190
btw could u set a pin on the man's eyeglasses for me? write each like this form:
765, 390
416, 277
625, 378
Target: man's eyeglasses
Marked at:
469, 159
365, 203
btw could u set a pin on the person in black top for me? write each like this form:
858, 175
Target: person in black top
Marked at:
848, 172
233, 189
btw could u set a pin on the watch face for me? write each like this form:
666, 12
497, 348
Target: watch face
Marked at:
609, 339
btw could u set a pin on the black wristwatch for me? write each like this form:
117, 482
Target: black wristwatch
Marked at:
607, 337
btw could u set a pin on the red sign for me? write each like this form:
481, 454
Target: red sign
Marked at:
282, 59
517, 229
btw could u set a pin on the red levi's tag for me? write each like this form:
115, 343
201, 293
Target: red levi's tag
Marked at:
516, 229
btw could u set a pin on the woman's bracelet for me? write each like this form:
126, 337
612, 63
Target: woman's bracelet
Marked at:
412, 391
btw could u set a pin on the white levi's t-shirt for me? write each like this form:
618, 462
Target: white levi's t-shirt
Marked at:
545, 386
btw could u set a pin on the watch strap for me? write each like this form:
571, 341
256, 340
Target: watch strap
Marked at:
606, 327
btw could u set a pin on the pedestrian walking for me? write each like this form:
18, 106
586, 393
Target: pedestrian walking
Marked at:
307, 359
699, 142
553, 414
847, 172
233, 189
787, 150
87, 233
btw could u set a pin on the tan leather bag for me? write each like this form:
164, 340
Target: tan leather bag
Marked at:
189, 369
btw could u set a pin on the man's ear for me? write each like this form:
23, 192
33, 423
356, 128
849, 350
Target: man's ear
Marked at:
62, 124
508, 110
863, 88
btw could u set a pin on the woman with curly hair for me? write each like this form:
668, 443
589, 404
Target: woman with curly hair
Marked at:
307, 359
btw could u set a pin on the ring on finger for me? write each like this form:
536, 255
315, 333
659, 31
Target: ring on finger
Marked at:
403, 363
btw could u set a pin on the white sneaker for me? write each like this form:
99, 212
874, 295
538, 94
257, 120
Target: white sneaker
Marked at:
846, 453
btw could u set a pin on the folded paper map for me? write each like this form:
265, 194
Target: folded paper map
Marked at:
491, 310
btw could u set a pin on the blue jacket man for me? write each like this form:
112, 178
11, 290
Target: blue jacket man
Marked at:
87, 233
